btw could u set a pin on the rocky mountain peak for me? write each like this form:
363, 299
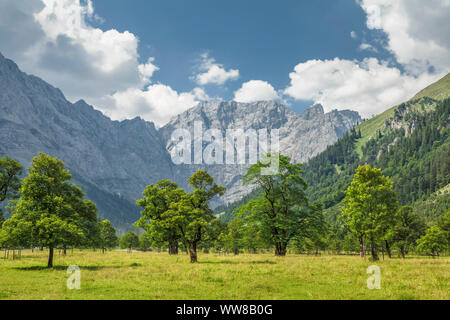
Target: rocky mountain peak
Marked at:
110, 158
313, 112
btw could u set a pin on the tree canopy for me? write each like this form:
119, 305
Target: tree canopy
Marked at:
370, 205
50, 212
155, 218
282, 209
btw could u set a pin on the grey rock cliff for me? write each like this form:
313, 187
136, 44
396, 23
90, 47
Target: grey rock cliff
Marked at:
301, 136
113, 161
110, 159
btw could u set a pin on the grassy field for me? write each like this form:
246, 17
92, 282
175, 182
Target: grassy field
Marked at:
151, 275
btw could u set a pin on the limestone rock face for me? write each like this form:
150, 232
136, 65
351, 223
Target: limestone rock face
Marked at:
301, 136
114, 161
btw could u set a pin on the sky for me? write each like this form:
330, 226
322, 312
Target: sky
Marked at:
157, 58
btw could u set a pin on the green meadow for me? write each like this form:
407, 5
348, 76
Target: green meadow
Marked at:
152, 275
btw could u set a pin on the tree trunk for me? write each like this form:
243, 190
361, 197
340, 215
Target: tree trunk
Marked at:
402, 252
50, 257
388, 249
65, 250
236, 251
173, 247
280, 249
193, 252
361, 246
373, 250
103, 250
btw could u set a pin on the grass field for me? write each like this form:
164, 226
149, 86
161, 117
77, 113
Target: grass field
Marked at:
151, 275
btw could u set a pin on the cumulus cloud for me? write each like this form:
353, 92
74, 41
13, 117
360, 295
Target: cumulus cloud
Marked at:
157, 102
417, 35
417, 31
369, 87
65, 50
55, 40
212, 72
353, 35
366, 46
255, 90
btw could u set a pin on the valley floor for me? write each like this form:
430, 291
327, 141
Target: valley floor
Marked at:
151, 275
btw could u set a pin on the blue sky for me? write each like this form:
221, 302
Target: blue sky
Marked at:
157, 58
263, 39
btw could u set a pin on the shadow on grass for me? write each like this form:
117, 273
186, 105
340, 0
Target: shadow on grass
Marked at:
237, 262
90, 268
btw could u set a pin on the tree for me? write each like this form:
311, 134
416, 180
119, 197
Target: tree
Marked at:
10, 170
282, 209
211, 237
408, 228
145, 242
433, 242
156, 203
51, 212
192, 214
444, 224
370, 204
232, 236
108, 237
9, 178
2, 218
129, 241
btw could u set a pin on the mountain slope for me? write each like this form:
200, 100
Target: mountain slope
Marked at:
301, 136
410, 142
114, 161
437, 91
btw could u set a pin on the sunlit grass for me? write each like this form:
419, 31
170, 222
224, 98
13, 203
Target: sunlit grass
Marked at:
150, 275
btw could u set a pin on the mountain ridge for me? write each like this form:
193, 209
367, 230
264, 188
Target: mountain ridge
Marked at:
113, 161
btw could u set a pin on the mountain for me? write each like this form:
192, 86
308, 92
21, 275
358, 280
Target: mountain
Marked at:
409, 142
301, 136
439, 90
113, 161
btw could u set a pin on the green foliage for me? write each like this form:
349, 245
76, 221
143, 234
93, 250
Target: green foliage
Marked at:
433, 243
145, 242
416, 162
211, 237
51, 212
432, 208
282, 211
10, 171
408, 228
108, 237
444, 224
156, 216
192, 215
370, 205
129, 241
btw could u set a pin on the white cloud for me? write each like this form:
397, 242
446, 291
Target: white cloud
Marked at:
369, 87
213, 73
157, 103
59, 44
417, 30
146, 70
255, 90
368, 47
353, 35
